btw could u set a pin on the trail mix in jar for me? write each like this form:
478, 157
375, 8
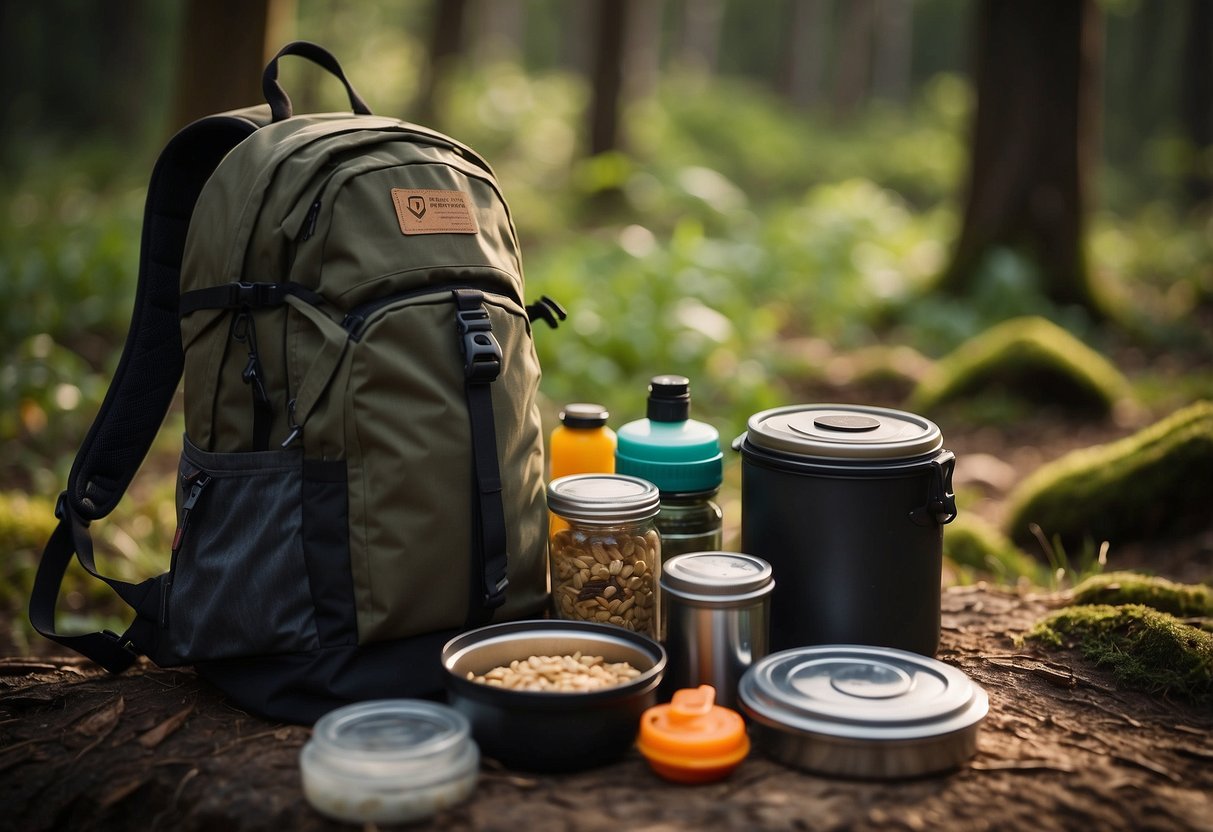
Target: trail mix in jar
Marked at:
607, 574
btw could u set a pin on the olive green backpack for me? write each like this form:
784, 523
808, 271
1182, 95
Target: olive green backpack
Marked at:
362, 471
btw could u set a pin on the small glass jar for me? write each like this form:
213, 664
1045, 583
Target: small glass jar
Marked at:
690, 523
607, 563
389, 761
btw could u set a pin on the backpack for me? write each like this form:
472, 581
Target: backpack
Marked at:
361, 475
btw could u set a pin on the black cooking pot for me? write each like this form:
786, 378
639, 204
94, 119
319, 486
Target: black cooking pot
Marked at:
848, 503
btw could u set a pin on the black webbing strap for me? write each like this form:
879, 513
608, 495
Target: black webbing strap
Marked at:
141, 391
482, 361
244, 296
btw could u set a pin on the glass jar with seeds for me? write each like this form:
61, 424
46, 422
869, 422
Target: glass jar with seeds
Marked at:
606, 563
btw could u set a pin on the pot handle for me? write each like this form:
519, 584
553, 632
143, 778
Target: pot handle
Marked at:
736, 443
941, 501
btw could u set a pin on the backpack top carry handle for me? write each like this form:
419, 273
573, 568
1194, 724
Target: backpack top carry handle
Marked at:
275, 95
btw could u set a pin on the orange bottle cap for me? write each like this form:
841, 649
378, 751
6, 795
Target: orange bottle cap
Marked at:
692, 739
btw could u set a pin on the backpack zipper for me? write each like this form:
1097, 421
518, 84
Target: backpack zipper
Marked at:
356, 319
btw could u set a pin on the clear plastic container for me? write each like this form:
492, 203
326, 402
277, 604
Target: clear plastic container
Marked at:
606, 563
389, 761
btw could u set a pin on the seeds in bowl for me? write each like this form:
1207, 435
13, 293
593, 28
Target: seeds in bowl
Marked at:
574, 673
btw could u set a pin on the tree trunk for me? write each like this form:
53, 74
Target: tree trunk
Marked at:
854, 62
699, 38
612, 27
805, 52
892, 48
1033, 143
226, 46
446, 42
1197, 101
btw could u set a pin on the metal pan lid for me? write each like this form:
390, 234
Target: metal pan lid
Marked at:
855, 692
843, 431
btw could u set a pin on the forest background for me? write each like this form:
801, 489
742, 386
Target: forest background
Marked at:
787, 201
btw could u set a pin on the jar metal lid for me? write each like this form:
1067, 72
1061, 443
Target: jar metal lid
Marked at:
844, 432
603, 498
717, 575
853, 692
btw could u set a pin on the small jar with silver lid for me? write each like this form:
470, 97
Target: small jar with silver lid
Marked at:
718, 609
606, 564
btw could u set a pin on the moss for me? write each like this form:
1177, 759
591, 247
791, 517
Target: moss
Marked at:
973, 543
1155, 483
1028, 358
1145, 649
1183, 600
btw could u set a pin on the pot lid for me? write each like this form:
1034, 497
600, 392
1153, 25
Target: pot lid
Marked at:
715, 574
843, 431
603, 498
861, 693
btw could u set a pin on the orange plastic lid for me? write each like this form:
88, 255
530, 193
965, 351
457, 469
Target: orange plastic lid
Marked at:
692, 739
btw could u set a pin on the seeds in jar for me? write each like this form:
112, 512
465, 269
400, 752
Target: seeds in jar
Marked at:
559, 674
606, 577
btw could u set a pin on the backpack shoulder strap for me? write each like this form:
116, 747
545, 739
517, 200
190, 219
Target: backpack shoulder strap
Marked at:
142, 388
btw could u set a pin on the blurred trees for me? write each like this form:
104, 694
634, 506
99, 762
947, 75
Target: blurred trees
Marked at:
1033, 143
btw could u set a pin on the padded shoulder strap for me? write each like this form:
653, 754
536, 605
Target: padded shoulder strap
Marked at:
139, 395
152, 360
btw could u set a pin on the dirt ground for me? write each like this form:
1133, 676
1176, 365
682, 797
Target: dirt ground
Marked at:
1062, 748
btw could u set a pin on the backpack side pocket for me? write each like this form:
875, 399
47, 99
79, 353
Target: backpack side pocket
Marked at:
261, 558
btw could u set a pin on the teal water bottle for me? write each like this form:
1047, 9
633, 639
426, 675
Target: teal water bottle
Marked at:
682, 457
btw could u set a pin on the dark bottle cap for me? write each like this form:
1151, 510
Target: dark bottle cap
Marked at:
584, 415
669, 399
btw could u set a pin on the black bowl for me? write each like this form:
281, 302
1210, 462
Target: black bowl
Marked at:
547, 731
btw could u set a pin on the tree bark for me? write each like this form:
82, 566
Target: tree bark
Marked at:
1197, 101
226, 46
608, 78
1033, 143
805, 52
446, 43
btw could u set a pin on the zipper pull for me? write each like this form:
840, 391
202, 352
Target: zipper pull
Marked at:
290, 422
309, 222
191, 500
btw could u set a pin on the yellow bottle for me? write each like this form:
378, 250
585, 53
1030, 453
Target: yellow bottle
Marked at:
582, 443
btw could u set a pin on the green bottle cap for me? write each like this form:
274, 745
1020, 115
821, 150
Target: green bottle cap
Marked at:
678, 456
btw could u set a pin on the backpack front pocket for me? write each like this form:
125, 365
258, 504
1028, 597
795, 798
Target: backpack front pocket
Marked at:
260, 560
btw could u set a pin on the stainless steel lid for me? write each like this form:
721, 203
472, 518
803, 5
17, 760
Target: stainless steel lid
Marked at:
716, 575
603, 498
842, 431
852, 692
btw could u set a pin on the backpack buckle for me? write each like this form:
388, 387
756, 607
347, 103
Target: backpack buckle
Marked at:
481, 352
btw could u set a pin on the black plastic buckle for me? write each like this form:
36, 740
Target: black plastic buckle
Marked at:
257, 295
481, 352
941, 500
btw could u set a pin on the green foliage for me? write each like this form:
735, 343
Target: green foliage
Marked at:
1182, 600
1029, 358
1154, 483
1145, 649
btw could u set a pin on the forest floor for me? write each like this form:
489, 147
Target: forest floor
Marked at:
1063, 746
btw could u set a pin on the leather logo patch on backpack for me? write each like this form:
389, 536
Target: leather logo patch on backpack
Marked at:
428, 211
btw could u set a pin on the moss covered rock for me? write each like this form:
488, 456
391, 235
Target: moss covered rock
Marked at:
1155, 483
974, 544
1027, 358
1145, 649
1183, 600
